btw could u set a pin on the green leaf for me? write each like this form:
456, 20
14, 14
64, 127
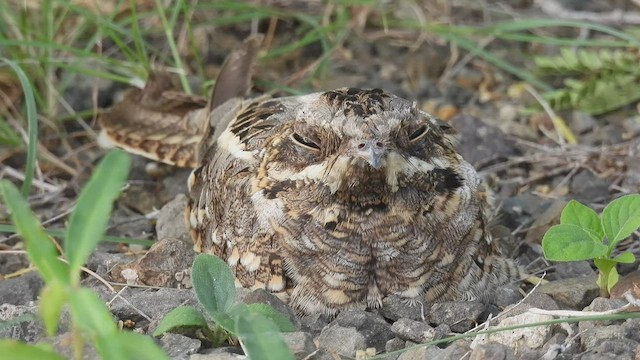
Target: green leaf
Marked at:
213, 283
568, 242
581, 215
129, 346
226, 321
22, 351
626, 257
55, 295
91, 215
612, 279
91, 314
40, 249
621, 217
261, 338
274, 315
32, 125
180, 317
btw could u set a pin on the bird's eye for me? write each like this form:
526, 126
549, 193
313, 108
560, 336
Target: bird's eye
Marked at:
305, 142
419, 133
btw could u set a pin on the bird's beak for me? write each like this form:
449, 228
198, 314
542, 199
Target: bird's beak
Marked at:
371, 151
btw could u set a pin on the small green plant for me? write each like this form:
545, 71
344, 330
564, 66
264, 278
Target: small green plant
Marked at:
91, 320
257, 326
583, 235
598, 81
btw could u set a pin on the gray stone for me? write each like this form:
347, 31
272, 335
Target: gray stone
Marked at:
127, 223
395, 307
179, 347
223, 353
474, 146
632, 178
602, 304
261, 296
461, 316
300, 343
394, 345
176, 183
457, 350
101, 262
507, 295
582, 122
159, 266
520, 210
422, 353
521, 339
373, 327
22, 289
30, 330
592, 337
492, 351
573, 269
631, 327
154, 304
575, 293
10, 263
171, 222
416, 331
535, 299
314, 323
618, 348
341, 340
587, 187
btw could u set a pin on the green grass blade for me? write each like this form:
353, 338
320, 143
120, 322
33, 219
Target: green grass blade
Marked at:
32, 126
168, 31
129, 346
91, 215
56, 296
22, 351
91, 314
61, 233
473, 48
40, 249
261, 339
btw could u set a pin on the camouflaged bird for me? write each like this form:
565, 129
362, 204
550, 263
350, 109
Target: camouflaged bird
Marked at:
335, 198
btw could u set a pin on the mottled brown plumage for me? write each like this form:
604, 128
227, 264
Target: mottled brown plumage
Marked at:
339, 199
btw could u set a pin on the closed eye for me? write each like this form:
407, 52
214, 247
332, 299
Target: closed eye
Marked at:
419, 133
305, 142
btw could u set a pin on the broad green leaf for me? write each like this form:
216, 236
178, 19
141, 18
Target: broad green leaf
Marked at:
626, 257
621, 217
180, 317
54, 296
227, 320
568, 242
581, 215
91, 314
89, 219
612, 279
22, 351
129, 346
40, 249
274, 315
213, 283
261, 338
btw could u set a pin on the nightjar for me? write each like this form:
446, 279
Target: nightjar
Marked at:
334, 199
